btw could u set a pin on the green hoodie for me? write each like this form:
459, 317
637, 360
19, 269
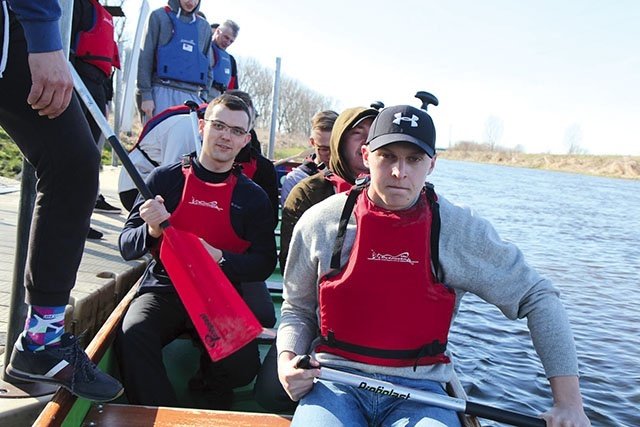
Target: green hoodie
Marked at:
316, 188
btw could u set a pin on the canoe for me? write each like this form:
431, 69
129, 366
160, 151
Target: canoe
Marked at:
64, 409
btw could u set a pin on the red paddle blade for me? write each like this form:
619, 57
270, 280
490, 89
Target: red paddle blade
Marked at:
223, 320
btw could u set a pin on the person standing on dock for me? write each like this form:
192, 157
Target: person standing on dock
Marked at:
374, 279
94, 54
175, 59
42, 115
209, 197
225, 69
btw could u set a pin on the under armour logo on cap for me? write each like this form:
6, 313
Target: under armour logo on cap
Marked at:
403, 123
413, 119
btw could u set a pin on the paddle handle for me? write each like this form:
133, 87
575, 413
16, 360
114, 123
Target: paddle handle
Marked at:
503, 416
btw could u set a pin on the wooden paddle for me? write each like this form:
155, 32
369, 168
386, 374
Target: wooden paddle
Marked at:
429, 398
223, 320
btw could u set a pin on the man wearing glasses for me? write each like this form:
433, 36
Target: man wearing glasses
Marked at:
211, 198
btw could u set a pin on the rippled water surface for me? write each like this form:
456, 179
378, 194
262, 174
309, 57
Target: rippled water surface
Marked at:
583, 233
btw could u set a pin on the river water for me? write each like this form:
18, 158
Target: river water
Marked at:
581, 232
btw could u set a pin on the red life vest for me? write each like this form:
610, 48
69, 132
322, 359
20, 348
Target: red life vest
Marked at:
249, 168
204, 210
96, 46
387, 307
339, 184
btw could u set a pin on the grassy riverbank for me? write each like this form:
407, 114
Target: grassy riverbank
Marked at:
624, 167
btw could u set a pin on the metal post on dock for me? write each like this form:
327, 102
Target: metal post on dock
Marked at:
274, 110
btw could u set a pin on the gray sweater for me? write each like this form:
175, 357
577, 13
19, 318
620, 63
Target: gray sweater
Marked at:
473, 259
158, 33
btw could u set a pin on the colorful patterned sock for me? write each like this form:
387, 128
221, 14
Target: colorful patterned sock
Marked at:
44, 327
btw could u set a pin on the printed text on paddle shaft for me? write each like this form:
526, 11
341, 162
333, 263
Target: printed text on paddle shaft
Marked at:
384, 391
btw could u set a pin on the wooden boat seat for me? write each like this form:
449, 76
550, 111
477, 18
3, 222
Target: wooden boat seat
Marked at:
108, 415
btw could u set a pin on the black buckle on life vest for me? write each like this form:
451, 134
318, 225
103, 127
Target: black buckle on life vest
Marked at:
363, 180
330, 339
432, 349
186, 160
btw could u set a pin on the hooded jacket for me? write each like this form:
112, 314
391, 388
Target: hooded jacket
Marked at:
316, 188
159, 32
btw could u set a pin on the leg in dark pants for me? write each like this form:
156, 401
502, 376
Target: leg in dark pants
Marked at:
268, 391
67, 166
258, 299
152, 321
216, 380
98, 94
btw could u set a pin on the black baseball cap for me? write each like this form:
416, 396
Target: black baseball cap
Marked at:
403, 123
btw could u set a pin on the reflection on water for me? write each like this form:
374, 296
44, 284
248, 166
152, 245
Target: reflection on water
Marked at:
583, 233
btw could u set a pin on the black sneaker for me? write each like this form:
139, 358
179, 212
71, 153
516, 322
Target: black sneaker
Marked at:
94, 234
66, 365
103, 207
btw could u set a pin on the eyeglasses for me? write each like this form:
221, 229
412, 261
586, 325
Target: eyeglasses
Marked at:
220, 127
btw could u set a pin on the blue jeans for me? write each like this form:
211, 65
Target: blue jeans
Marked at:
335, 404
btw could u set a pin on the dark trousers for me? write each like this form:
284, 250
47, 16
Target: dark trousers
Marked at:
267, 390
152, 321
67, 162
98, 93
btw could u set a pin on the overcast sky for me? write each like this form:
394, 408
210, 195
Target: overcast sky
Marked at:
539, 67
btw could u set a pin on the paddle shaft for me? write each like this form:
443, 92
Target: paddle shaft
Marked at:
433, 399
102, 122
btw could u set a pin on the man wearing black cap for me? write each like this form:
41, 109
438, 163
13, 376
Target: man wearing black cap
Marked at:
375, 276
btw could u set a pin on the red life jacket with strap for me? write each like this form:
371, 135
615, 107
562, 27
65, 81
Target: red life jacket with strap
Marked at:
249, 168
339, 184
387, 307
205, 210
96, 46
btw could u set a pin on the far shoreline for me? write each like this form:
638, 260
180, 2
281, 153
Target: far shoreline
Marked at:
610, 166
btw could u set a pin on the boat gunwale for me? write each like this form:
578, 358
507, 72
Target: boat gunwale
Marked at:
62, 402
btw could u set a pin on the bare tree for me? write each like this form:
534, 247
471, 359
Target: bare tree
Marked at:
573, 139
493, 128
257, 81
297, 103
